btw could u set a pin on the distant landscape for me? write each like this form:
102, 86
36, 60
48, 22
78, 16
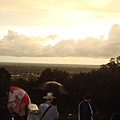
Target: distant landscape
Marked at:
22, 70
102, 81
25, 75
47, 65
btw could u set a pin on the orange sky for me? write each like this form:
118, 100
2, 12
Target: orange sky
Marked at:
69, 31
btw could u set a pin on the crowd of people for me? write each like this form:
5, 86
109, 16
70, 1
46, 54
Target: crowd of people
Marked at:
48, 111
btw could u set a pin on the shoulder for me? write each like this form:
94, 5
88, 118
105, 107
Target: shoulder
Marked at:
93, 107
42, 104
82, 102
92, 104
53, 108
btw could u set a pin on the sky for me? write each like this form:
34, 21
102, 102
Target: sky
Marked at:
59, 31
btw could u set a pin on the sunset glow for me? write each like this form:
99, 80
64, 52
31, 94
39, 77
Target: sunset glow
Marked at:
78, 29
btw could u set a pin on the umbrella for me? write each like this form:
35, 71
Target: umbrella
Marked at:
21, 94
53, 86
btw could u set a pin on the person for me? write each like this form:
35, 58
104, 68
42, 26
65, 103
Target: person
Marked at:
86, 108
33, 112
11, 100
47, 110
115, 116
19, 110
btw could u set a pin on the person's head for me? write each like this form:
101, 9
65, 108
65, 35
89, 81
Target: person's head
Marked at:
49, 97
115, 116
88, 96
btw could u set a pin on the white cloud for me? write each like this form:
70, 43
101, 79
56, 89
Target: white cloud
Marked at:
19, 45
113, 44
14, 44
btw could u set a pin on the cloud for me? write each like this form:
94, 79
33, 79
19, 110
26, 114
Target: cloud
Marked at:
113, 45
52, 36
64, 48
14, 44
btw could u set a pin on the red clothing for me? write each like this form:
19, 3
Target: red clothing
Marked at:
20, 107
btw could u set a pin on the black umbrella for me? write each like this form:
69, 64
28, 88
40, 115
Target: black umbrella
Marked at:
53, 86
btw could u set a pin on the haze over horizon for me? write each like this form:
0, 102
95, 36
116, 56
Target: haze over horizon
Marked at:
60, 32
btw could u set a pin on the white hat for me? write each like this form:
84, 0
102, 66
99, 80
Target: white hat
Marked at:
32, 106
49, 96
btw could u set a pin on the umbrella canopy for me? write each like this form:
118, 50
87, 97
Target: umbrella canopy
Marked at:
53, 86
21, 94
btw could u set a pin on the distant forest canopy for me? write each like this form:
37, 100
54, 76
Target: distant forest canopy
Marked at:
103, 83
37, 68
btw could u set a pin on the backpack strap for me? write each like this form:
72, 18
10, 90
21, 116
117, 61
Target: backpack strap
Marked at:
46, 110
79, 110
91, 111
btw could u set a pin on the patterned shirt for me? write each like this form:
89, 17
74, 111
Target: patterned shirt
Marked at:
20, 107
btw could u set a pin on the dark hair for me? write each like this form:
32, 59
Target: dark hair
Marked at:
87, 96
115, 116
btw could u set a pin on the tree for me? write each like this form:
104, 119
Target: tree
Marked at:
45, 76
4, 86
4, 81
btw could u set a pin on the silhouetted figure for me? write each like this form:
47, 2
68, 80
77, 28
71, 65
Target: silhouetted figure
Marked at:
86, 108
